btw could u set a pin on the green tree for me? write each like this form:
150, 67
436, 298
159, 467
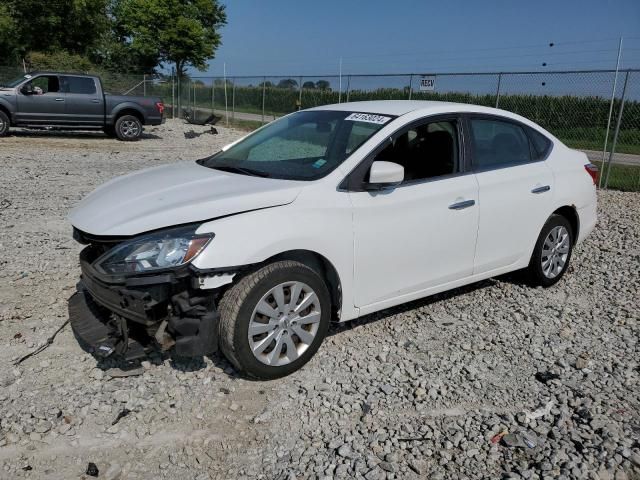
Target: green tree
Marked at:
309, 85
8, 44
48, 26
182, 32
289, 83
323, 85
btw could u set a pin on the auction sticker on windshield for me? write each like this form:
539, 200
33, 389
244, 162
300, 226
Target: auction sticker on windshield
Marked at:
368, 117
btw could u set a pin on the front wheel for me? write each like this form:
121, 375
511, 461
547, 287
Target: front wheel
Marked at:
5, 123
551, 255
128, 128
273, 320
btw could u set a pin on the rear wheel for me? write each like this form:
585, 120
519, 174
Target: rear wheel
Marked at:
5, 123
273, 321
551, 255
128, 128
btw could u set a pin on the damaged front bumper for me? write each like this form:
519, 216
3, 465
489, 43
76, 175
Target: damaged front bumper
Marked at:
132, 315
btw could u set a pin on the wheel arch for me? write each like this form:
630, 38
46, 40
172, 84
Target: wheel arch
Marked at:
7, 111
571, 214
128, 111
317, 262
323, 267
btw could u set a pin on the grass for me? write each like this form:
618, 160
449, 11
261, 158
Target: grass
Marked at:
622, 177
246, 125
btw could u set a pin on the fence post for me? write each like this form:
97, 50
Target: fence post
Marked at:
195, 108
264, 92
144, 84
606, 137
213, 95
498, 90
179, 94
617, 131
233, 99
173, 95
410, 85
300, 94
348, 86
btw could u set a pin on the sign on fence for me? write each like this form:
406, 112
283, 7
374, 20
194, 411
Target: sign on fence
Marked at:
428, 83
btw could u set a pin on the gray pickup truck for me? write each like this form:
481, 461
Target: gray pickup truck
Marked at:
74, 102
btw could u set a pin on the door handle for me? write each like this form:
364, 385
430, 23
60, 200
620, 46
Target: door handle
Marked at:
544, 188
59, 99
462, 205
95, 100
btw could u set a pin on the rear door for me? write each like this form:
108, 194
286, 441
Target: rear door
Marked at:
515, 188
84, 101
41, 101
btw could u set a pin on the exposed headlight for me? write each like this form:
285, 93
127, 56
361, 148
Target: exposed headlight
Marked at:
167, 249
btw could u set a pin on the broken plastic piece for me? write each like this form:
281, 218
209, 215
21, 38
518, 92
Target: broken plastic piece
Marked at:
104, 350
122, 414
496, 438
92, 470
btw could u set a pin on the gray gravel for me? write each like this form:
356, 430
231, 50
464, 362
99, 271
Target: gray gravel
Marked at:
494, 380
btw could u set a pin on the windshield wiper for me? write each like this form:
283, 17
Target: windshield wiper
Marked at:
242, 170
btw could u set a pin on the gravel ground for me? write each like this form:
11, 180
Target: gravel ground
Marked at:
426, 390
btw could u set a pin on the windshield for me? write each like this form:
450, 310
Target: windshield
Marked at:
302, 146
15, 81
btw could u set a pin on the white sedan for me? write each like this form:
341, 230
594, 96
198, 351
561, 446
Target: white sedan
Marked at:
325, 214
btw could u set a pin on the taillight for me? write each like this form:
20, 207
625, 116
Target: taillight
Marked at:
592, 170
160, 107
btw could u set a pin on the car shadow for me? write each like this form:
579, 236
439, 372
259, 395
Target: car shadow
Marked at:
97, 135
515, 278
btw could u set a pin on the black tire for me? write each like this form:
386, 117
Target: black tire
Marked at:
128, 128
110, 131
535, 271
5, 123
237, 306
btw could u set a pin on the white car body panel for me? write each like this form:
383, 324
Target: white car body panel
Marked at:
511, 215
175, 194
404, 237
385, 248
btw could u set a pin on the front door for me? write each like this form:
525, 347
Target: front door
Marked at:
422, 233
41, 101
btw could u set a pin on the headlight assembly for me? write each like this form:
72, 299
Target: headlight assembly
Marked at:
166, 249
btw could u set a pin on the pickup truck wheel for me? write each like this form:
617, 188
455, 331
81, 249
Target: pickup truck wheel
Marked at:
128, 128
273, 320
4, 124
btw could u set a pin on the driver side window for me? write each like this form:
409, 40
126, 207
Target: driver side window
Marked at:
42, 85
425, 150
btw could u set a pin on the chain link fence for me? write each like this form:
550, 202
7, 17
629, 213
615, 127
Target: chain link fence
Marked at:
595, 111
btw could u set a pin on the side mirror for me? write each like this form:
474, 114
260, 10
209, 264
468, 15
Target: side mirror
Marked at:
384, 175
27, 89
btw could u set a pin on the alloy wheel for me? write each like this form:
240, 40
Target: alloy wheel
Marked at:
555, 251
129, 128
284, 323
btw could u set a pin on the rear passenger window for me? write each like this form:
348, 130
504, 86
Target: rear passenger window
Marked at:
541, 144
81, 85
496, 143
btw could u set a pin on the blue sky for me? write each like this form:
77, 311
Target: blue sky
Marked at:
287, 37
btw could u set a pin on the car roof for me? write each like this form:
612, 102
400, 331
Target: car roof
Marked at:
401, 107
426, 107
44, 72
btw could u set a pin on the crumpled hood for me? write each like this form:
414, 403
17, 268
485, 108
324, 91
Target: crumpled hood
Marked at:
175, 194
